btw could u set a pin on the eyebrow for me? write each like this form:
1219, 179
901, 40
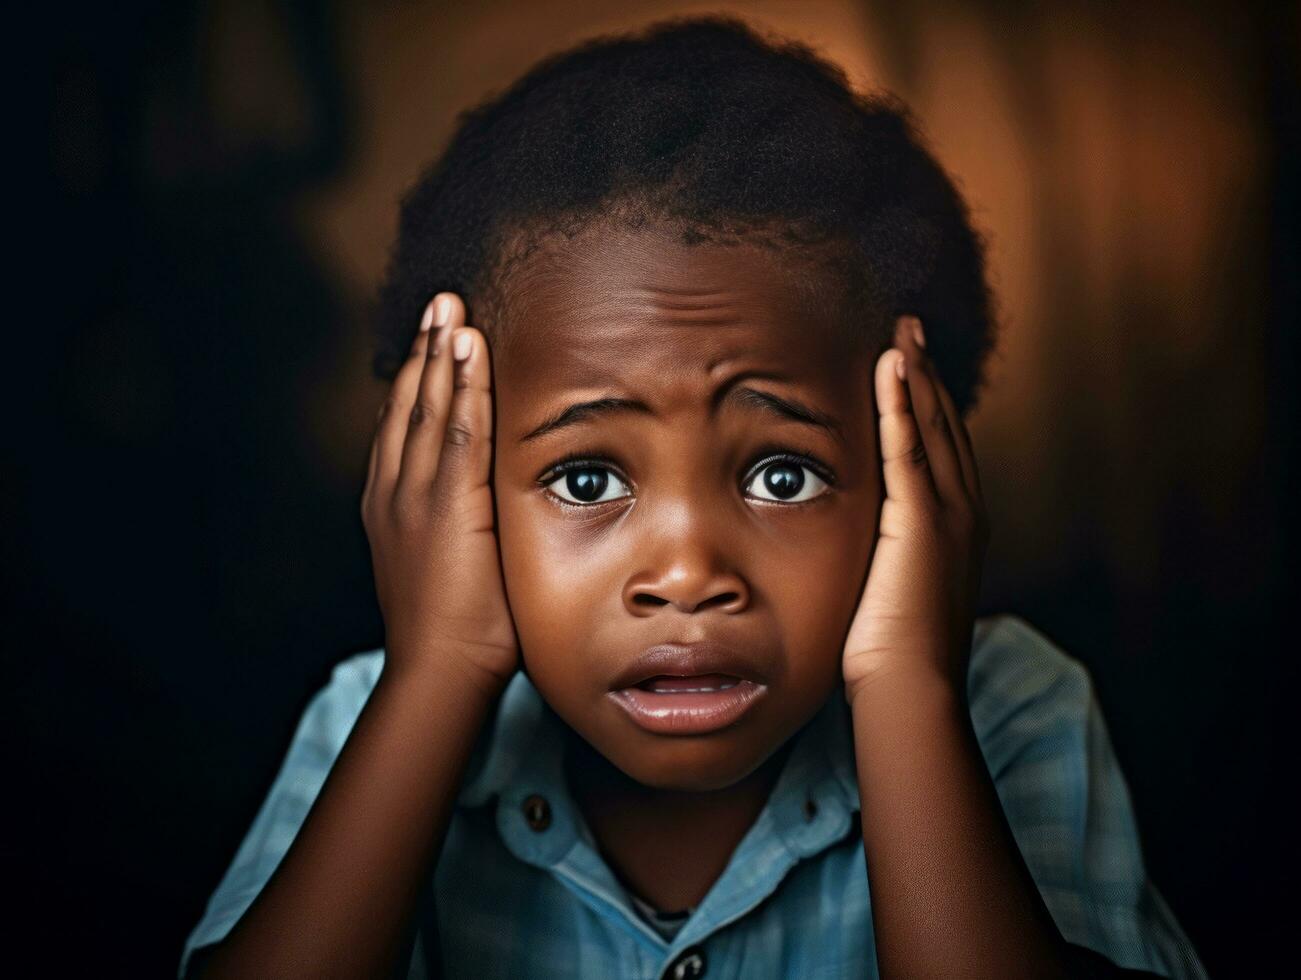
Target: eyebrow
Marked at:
790, 409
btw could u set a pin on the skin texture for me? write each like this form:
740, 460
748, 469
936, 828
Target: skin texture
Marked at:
478, 572
678, 551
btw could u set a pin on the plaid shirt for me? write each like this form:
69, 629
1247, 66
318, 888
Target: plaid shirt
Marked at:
520, 889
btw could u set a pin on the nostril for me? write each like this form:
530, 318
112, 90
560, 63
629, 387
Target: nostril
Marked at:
644, 596
648, 600
724, 599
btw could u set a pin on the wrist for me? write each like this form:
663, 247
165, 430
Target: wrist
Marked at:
914, 680
438, 671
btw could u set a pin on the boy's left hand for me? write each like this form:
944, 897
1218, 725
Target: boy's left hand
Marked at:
916, 612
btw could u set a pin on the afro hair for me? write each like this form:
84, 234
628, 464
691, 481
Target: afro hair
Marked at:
707, 127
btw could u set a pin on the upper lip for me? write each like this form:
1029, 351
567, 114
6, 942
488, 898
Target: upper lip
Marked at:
687, 660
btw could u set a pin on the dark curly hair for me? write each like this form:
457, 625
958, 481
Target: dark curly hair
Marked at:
702, 126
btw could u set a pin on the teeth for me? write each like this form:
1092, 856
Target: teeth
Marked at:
692, 690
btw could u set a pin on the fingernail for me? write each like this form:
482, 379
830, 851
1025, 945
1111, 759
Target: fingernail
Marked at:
900, 367
442, 310
427, 320
917, 333
462, 344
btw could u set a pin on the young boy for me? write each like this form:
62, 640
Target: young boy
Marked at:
677, 554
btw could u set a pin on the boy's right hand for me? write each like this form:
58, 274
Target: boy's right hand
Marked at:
428, 510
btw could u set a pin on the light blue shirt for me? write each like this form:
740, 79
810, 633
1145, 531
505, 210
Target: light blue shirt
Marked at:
521, 889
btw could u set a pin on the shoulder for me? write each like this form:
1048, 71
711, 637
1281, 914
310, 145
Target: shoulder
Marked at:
1012, 659
1022, 687
334, 708
1067, 802
321, 732
351, 682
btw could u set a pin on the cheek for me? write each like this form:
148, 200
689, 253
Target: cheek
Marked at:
815, 595
551, 585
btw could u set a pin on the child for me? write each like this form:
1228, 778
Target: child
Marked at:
677, 550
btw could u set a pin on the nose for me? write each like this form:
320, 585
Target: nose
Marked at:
694, 576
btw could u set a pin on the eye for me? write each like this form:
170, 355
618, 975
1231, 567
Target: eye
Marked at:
788, 480
584, 482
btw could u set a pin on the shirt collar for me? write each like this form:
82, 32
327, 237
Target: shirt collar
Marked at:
518, 761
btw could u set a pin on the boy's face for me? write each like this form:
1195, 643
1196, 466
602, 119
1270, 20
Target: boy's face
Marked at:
695, 534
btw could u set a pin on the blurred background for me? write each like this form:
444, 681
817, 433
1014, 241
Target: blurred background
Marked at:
192, 405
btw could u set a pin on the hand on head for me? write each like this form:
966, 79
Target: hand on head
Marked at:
918, 605
428, 508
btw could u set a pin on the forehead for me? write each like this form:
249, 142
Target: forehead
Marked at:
650, 316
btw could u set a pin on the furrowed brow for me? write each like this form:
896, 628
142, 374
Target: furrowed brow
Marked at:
585, 411
787, 408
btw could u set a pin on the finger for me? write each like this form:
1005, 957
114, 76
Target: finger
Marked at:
467, 448
966, 454
391, 431
904, 466
367, 490
933, 422
428, 416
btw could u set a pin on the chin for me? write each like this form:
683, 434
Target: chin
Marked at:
696, 768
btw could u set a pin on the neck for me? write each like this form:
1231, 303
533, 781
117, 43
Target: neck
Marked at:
667, 846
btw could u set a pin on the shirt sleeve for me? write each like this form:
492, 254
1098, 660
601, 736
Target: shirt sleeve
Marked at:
317, 741
1048, 750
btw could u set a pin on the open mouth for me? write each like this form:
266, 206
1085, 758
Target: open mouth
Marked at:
664, 684
695, 705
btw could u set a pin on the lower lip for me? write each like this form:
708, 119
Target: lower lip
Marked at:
694, 713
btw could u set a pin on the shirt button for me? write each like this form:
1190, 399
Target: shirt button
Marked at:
537, 811
690, 965
810, 809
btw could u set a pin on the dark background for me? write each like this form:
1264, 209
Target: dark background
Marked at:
216, 186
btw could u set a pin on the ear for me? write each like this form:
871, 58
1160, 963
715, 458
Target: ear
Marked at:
908, 333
